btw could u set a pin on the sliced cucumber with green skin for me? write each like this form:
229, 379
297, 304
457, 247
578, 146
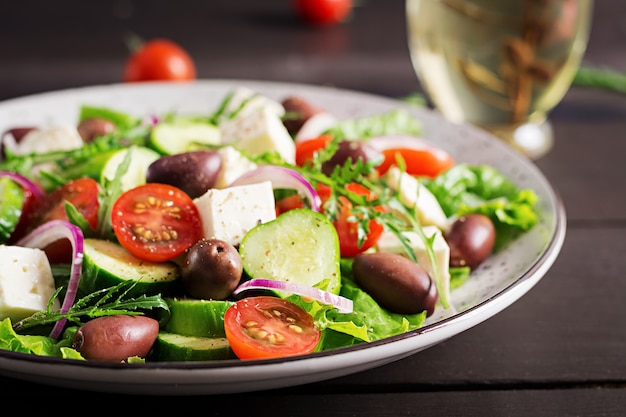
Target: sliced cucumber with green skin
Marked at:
106, 264
11, 202
141, 158
194, 317
300, 246
183, 135
172, 347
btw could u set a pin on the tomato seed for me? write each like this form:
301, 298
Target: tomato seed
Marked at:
295, 328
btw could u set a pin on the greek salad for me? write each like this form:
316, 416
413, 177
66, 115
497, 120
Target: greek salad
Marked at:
266, 228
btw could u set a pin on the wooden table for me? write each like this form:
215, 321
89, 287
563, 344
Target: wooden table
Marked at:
559, 351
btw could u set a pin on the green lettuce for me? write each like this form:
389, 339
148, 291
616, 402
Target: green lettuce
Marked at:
465, 189
393, 122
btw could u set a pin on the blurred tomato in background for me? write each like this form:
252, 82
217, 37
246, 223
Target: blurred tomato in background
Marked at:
323, 12
159, 60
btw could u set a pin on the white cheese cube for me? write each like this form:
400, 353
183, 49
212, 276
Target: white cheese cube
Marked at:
53, 138
229, 213
234, 165
413, 194
26, 282
257, 131
243, 100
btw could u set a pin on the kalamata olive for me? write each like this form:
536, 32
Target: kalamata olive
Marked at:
212, 269
351, 150
395, 282
297, 112
471, 239
193, 172
91, 128
116, 338
16, 135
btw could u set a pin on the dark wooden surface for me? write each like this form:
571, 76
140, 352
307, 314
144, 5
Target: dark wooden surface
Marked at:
559, 351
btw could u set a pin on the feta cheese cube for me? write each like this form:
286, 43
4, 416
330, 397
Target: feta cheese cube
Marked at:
244, 100
413, 194
229, 213
26, 282
52, 138
257, 131
234, 165
390, 243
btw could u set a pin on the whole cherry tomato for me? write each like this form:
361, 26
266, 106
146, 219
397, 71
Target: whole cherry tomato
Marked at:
323, 12
159, 60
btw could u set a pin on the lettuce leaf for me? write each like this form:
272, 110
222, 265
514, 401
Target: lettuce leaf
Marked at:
35, 344
482, 189
396, 121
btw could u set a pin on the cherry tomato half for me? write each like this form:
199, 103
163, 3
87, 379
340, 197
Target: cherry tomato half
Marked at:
427, 162
323, 12
305, 150
347, 230
82, 193
159, 60
269, 327
289, 203
156, 222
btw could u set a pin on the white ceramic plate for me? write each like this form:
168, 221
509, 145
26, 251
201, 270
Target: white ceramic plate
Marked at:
499, 282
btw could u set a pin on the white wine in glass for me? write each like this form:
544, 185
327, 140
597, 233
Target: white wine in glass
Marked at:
499, 64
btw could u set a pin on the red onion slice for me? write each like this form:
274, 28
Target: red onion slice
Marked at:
49, 233
282, 177
344, 305
25, 183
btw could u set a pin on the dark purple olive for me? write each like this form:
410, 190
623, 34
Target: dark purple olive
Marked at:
395, 282
89, 129
116, 338
298, 111
471, 239
17, 133
193, 172
212, 269
350, 150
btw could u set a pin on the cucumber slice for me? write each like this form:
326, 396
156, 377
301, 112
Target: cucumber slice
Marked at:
106, 264
300, 246
183, 135
141, 158
172, 347
11, 202
193, 317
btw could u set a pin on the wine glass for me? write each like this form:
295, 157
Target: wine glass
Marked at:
499, 64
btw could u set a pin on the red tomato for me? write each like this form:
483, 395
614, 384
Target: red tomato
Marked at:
323, 12
82, 193
348, 230
31, 203
159, 60
269, 327
427, 162
288, 203
306, 149
156, 222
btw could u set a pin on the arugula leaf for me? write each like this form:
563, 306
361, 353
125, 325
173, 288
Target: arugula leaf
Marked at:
105, 302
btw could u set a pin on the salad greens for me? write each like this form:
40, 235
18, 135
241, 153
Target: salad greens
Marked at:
460, 190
